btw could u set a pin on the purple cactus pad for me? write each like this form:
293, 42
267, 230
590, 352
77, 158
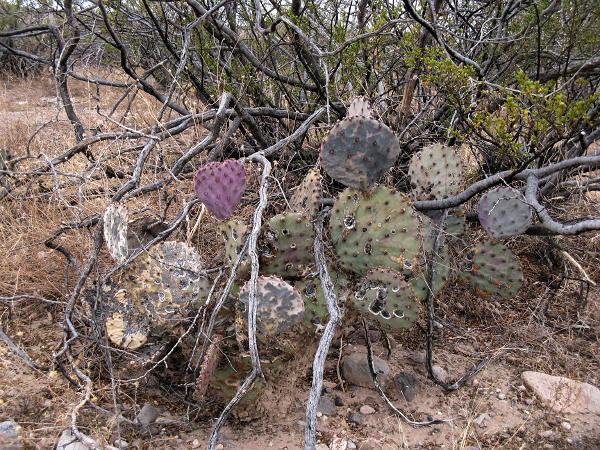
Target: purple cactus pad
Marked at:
220, 186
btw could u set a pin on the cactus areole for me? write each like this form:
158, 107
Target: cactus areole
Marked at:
220, 185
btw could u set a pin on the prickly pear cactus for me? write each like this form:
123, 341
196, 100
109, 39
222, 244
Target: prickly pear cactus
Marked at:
234, 234
436, 172
360, 106
280, 306
385, 296
503, 212
115, 231
126, 324
166, 282
455, 220
494, 270
290, 239
307, 197
442, 274
377, 229
220, 186
358, 151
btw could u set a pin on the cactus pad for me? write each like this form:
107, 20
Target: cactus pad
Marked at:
234, 234
115, 231
358, 151
455, 220
436, 172
126, 325
360, 106
290, 239
384, 295
307, 197
166, 281
442, 272
378, 229
220, 186
494, 270
503, 212
280, 306
315, 306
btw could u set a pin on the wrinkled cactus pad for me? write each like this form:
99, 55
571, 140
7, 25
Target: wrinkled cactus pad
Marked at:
358, 151
385, 296
360, 106
494, 270
289, 238
126, 324
376, 229
436, 172
279, 305
307, 196
115, 231
234, 234
220, 185
503, 212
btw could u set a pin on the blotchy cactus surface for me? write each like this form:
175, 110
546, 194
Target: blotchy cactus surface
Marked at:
360, 106
290, 239
234, 234
126, 324
307, 197
503, 212
494, 270
377, 229
279, 305
220, 185
436, 172
115, 231
385, 296
358, 151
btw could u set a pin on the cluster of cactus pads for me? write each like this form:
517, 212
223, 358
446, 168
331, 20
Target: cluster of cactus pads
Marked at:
379, 257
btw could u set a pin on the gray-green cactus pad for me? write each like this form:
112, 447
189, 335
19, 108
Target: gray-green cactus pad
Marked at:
290, 239
307, 196
279, 305
442, 272
358, 151
436, 172
234, 234
503, 212
166, 281
494, 270
386, 297
455, 220
376, 229
115, 231
126, 324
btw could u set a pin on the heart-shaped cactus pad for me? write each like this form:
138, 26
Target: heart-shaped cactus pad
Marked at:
220, 186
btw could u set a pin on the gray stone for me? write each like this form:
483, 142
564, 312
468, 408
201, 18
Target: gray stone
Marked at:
418, 357
9, 436
546, 434
365, 410
68, 441
351, 445
480, 419
355, 369
356, 418
147, 415
407, 384
566, 425
326, 407
563, 394
439, 373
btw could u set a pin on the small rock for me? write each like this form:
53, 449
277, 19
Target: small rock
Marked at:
502, 396
68, 441
365, 410
355, 369
329, 384
418, 357
546, 434
219, 446
195, 443
351, 445
521, 387
339, 401
338, 443
479, 420
407, 385
121, 443
321, 447
327, 406
8, 430
439, 373
566, 425
563, 394
147, 415
356, 418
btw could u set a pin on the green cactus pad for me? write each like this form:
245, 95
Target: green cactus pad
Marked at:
455, 220
358, 151
115, 231
280, 306
436, 172
377, 229
360, 106
234, 234
289, 238
307, 196
494, 270
166, 281
503, 212
385, 296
